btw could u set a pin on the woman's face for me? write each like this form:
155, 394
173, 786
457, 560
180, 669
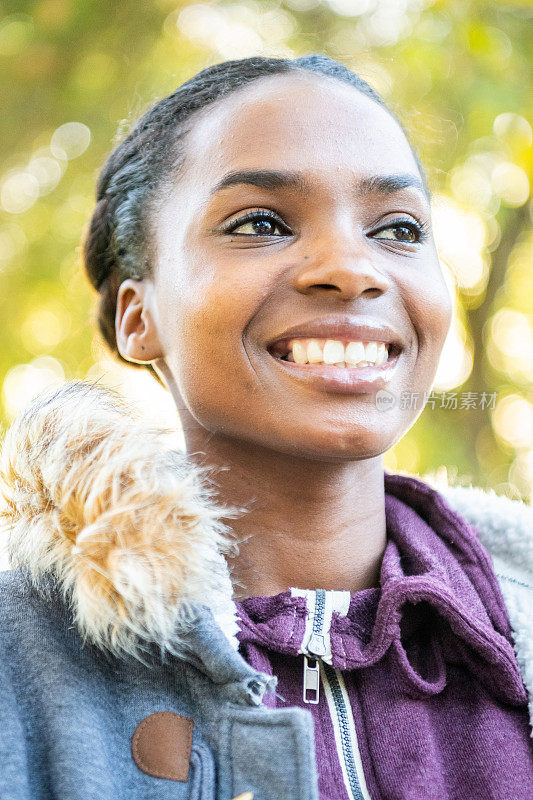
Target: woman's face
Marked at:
329, 251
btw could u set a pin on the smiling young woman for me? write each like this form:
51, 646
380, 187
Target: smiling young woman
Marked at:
262, 242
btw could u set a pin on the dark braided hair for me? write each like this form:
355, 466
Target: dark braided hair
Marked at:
117, 243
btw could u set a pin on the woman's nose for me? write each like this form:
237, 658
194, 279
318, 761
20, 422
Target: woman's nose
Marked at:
346, 270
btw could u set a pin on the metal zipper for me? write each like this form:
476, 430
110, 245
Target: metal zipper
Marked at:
316, 646
345, 733
315, 669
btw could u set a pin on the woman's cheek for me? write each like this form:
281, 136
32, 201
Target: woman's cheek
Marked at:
210, 364
429, 304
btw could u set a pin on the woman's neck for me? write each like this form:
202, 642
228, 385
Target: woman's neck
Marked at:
310, 524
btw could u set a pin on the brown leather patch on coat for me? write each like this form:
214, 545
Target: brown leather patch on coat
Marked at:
161, 745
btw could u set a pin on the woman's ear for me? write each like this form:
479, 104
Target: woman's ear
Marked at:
135, 322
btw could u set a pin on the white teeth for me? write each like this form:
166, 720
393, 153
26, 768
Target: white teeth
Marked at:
299, 351
314, 352
332, 351
371, 352
382, 353
355, 352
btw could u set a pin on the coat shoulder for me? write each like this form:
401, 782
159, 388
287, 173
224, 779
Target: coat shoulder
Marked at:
16, 600
25, 613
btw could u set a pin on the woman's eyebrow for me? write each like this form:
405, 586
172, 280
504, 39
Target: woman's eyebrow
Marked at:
275, 179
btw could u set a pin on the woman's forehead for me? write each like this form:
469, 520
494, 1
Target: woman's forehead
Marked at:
298, 124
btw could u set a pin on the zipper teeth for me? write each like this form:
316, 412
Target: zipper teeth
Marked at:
320, 610
346, 744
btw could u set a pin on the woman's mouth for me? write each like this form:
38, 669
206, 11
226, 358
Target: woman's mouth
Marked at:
338, 365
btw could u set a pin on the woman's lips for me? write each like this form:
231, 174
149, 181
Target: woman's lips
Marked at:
342, 380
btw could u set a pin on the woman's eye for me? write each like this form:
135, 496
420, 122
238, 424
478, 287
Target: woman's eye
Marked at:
265, 223
256, 225
406, 232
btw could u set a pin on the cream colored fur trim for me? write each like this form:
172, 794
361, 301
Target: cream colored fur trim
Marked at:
504, 525
127, 526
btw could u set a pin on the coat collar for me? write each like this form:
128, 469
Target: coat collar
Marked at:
436, 583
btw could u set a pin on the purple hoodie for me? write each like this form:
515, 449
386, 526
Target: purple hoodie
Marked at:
419, 692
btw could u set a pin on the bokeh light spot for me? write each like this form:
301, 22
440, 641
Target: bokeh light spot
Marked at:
70, 140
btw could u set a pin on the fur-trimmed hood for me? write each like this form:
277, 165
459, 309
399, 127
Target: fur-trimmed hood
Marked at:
101, 505
129, 529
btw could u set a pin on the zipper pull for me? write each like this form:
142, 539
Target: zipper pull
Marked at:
311, 680
317, 645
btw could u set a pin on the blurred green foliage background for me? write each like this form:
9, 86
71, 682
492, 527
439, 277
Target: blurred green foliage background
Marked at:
76, 73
